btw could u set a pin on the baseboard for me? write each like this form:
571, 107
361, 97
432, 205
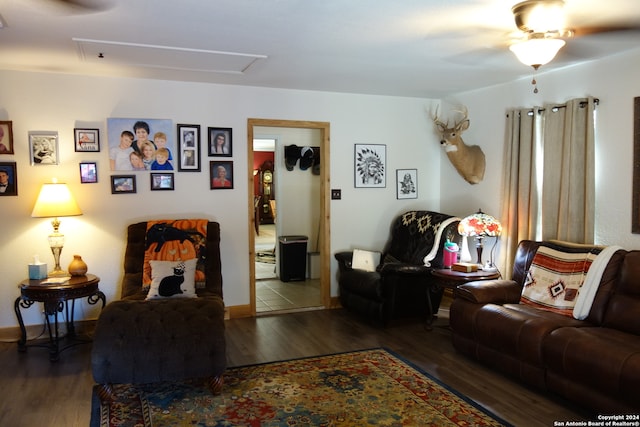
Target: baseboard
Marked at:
12, 334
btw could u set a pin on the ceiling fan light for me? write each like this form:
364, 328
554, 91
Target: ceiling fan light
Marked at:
536, 52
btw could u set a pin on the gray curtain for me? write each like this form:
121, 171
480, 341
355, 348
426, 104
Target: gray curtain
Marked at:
549, 176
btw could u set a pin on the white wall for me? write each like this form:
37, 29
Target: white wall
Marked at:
39, 101
615, 82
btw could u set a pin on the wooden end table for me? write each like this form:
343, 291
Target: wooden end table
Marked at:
450, 279
56, 298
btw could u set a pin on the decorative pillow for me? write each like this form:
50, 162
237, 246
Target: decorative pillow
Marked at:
172, 279
554, 280
365, 260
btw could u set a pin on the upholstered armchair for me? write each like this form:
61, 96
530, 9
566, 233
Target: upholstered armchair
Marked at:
398, 287
164, 334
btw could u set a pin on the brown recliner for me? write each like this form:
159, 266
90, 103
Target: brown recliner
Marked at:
138, 341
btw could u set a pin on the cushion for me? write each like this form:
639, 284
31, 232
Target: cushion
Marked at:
172, 279
554, 280
365, 260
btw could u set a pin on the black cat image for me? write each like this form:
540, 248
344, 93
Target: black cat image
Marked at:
170, 285
162, 233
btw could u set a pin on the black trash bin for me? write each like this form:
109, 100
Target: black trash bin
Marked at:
293, 258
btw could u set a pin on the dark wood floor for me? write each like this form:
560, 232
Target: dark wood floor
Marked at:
35, 392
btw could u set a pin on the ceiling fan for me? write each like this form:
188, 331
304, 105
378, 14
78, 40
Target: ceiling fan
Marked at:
81, 6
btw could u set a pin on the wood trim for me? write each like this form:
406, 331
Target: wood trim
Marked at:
325, 203
635, 216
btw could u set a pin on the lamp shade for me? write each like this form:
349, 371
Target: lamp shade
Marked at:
479, 224
537, 51
55, 200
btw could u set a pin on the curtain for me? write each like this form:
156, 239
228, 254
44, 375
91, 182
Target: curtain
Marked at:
549, 176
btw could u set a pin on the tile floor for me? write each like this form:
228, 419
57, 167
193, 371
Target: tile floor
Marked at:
274, 295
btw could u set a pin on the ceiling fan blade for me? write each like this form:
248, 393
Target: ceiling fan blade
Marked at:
80, 6
602, 29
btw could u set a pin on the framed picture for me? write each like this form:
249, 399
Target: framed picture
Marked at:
161, 181
152, 140
407, 183
220, 142
221, 175
87, 140
370, 165
88, 173
8, 179
6, 137
189, 148
44, 148
123, 184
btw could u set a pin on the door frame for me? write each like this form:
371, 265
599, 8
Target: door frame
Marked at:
325, 199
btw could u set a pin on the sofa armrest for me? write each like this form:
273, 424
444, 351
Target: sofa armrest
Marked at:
404, 269
498, 291
344, 259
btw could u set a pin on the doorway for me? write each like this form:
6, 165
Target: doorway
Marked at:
267, 235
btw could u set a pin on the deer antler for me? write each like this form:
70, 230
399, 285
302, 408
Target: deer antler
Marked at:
438, 122
465, 116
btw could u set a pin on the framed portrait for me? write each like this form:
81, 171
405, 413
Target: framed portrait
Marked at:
189, 148
407, 183
6, 137
221, 175
88, 173
370, 165
121, 184
44, 148
87, 140
161, 181
220, 142
151, 139
8, 179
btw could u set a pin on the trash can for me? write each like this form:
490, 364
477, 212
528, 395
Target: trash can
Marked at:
293, 258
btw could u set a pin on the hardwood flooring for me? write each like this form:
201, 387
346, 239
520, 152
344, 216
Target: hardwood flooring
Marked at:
35, 392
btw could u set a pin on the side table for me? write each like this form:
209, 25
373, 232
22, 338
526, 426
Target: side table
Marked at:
56, 298
451, 279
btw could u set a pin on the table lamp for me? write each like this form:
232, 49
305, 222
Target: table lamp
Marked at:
480, 225
55, 200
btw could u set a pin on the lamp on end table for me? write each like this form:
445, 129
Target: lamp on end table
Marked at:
480, 225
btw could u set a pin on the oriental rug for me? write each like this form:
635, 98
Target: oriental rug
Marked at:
363, 388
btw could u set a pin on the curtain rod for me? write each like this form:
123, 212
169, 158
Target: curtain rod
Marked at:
583, 104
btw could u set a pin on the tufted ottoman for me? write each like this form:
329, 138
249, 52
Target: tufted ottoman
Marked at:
138, 341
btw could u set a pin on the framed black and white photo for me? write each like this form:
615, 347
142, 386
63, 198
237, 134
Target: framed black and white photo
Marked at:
43, 147
88, 173
122, 184
87, 140
221, 175
8, 179
189, 148
161, 181
220, 142
407, 183
370, 165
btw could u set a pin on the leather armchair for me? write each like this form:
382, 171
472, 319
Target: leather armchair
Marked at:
398, 288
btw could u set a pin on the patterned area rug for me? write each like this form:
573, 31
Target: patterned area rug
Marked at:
266, 257
364, 388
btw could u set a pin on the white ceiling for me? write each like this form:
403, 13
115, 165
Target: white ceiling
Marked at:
417, 48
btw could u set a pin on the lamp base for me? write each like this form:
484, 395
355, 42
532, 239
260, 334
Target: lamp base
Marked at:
57, 273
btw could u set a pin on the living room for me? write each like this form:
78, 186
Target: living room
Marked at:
360, 219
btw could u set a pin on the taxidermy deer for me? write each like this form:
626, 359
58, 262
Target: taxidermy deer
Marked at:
468, 160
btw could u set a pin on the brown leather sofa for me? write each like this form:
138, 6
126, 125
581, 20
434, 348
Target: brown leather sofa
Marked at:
594, 362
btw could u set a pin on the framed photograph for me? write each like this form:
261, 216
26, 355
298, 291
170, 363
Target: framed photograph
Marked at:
370, 165
88, 173
161, 181
87, 140
6, 137
221, 175
121, 184
141, 144
189, 148
220, 142
407, 183
44, 148
8, 179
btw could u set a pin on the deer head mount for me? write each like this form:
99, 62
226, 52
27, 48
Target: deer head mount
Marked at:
468, 160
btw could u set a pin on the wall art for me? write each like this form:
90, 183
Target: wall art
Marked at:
161, 181
220, 142
8, 179
189, 148
6, 137
407, 183
121, 184
43, 147
370, 165
88, 172
150, 139
221, 175
86, 140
